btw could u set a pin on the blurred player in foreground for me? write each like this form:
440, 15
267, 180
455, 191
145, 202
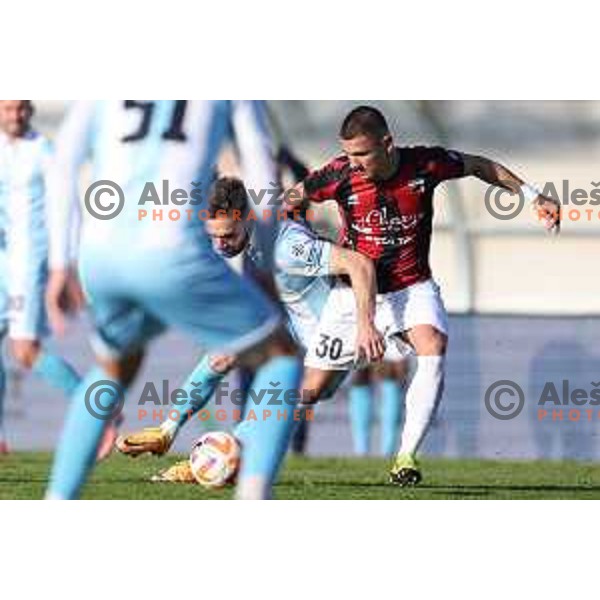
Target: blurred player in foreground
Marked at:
141, 275
25, 158
385, 197
306, 270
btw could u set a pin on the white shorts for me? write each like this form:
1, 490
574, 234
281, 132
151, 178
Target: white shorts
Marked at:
332, 346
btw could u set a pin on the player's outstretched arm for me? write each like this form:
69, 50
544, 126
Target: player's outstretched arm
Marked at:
360, 270
547, 209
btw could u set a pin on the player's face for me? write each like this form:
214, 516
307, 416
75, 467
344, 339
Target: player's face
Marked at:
369, 155
15, 116
229, 236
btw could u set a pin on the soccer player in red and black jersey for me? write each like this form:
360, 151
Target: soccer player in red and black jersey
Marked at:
384, 195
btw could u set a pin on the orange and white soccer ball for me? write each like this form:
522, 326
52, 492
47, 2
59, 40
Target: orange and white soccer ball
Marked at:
215, 459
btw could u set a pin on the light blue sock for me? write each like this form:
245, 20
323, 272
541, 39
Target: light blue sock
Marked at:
265, 440
392, 398
57, 372
2, 390
198, 395
76, 452
361, 416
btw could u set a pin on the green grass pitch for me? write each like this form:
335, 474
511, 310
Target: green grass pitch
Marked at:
24, 476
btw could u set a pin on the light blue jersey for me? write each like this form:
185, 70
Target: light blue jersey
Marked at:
150, 149
24, 164
302, 275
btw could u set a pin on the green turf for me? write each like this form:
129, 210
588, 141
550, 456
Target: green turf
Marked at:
24, 476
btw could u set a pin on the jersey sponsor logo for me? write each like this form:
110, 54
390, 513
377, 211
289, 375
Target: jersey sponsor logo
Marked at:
299, 250
380, 229
390, 241
307, 253
380, 219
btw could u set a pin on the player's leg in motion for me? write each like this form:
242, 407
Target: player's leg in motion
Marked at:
425, 385
94, 404
266, 437
272, 397
274, 439
360, 399
56, 371
28, 327
122, 329
207, 375
231, 307
391, 402
200, 387
32, 355
300, 434
316, 385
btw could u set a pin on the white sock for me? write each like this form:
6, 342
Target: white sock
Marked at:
423, 394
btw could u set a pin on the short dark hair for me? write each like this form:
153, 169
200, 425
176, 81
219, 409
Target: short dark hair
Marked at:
228, 194
364, 120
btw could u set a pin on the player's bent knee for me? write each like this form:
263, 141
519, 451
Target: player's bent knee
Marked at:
123, 369
309, 395
432, 349
428, 341
435, 345
320, 385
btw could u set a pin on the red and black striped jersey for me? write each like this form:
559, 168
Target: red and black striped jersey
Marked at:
389, 221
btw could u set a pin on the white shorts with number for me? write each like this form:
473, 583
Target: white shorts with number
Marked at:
332, 346
22, 298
